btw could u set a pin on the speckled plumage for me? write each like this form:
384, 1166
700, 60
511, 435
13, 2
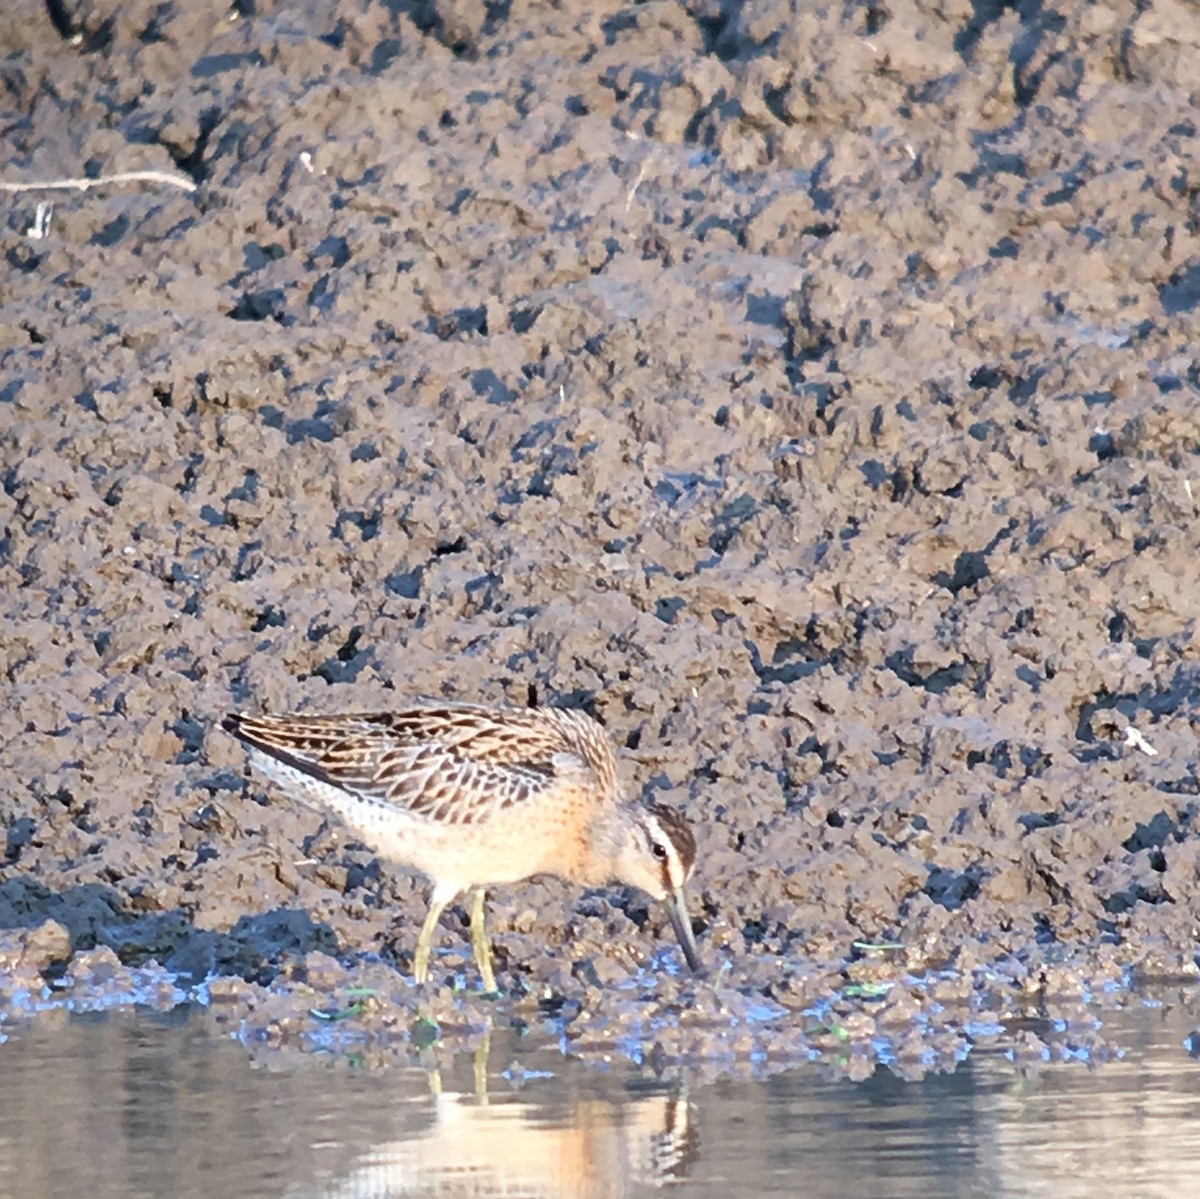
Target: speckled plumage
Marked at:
474, 796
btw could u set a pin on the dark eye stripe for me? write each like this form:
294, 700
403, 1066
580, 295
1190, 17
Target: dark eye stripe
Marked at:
675, 830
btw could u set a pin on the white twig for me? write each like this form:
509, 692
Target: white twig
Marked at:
636, 184
1137, 741
85, 184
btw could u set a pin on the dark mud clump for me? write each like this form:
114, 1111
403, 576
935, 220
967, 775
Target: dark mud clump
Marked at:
815, 399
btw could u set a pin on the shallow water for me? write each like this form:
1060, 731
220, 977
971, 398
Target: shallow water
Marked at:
144, 1105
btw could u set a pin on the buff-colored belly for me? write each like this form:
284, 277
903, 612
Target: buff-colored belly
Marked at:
505, 847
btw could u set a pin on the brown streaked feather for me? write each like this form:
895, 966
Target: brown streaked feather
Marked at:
448, 763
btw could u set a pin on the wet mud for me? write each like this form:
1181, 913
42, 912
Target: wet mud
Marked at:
811, 395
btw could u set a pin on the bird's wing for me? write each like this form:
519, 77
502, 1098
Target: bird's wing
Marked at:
452, 764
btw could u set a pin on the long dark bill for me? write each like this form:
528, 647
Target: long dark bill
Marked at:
681, 923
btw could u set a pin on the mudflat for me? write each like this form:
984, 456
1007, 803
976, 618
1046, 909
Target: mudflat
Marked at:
811, 394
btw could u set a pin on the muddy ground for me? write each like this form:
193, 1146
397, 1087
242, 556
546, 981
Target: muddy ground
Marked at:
812, 393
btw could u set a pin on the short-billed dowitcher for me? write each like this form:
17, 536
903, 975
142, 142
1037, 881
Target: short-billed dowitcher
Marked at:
474, 797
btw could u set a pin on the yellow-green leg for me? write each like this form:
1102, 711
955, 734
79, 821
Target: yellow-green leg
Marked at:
480, 944
425, 940
481, 1065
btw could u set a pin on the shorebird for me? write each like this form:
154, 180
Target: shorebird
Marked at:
475, 797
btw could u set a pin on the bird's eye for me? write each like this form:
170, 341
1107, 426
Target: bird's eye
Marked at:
659, 850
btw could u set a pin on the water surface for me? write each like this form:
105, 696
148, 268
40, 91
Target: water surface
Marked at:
136, 1104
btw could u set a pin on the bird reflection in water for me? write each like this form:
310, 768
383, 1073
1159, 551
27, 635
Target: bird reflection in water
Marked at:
581, 1146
